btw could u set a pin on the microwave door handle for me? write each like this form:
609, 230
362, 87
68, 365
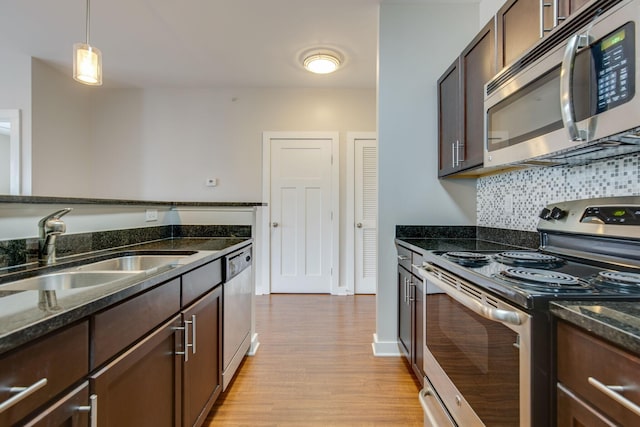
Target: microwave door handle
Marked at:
566, 85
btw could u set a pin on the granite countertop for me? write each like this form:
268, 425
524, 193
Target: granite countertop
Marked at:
23, 319
616, 322
452, 244
120, 202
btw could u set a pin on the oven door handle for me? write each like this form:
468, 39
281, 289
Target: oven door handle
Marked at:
478, 307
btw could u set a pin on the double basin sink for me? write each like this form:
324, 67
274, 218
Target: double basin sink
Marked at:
97, 273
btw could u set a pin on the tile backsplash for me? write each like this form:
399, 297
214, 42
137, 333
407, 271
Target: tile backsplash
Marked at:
512, 200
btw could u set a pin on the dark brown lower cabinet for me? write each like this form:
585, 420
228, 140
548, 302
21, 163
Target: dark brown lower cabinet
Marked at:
411, 320
405, 318
574, 412
141, 388
70, 411
598, 382
47, 367
202, 366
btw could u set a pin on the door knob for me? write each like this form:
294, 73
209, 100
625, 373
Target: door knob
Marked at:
275, 225
359, 225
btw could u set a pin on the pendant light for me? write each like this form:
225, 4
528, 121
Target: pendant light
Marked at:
87, 60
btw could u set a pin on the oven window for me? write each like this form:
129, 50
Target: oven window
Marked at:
479, 356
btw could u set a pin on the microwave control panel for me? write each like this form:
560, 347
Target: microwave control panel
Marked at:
614, 60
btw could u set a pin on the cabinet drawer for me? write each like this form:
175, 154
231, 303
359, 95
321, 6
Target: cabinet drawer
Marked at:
201, 280
581, 356
61, 358
67, 411
404, 257
572, 411
118, 327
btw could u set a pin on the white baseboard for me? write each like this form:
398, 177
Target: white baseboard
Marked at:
385, 348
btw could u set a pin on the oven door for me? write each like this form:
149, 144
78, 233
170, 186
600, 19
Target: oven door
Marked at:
477, 354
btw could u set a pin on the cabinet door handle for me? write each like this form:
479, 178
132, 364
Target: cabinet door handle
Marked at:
193, 333
412, 291
613, 392
453, 155
404, 290
23, 392
92, 409
459, 152
186, 344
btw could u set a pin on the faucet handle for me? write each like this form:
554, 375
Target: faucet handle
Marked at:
55, 215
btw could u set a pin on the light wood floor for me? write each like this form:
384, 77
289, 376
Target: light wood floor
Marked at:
315, 367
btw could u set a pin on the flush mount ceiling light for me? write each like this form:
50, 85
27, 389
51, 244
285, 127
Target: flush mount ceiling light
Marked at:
322, 62
87, 60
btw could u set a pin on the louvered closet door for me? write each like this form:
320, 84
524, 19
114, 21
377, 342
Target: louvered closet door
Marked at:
366, 210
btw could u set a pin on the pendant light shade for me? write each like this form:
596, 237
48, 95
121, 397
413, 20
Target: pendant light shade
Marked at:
87, 64
87, 60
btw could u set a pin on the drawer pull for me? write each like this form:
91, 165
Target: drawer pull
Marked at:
613, 391
193, 333
23, 392
92, 409
403, 257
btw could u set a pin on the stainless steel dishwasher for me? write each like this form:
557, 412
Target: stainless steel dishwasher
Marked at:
237, 293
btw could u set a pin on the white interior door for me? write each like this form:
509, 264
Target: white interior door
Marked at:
365, 215
301, 215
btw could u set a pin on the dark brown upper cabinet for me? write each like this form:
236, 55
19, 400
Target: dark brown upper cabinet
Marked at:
521, 23
461, 105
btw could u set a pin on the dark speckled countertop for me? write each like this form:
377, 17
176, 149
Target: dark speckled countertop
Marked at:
23, 319
616, 322
451, 244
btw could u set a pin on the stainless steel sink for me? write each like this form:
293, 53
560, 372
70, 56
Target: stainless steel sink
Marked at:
68, 280
132, 263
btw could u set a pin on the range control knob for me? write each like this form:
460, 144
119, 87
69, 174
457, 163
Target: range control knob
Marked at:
558, 213
545, 214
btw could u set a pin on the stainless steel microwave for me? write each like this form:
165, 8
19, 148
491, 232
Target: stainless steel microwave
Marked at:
572, 97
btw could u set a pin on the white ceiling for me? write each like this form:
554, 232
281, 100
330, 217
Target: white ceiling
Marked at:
201, 43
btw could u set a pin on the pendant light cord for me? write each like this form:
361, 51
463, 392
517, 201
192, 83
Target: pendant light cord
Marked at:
87, 20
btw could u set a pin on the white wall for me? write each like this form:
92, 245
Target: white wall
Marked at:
487, 10
417, 42
61, 121
15, 93
164, 143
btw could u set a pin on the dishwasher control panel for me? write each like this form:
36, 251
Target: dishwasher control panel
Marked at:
237, 262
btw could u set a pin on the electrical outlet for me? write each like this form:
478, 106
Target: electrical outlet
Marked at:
151, 215
211, 182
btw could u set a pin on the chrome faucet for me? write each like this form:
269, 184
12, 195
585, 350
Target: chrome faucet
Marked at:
50, 227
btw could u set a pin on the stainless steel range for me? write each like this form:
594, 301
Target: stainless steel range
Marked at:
488, 331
